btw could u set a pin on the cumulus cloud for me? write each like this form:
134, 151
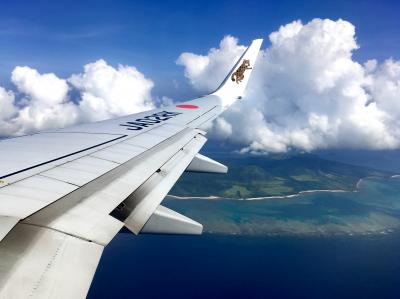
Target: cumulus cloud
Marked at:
45, 101
7, 110
108, 92
306, 91
46, 89
204, 71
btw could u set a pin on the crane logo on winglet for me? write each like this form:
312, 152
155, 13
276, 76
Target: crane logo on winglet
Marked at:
238, 75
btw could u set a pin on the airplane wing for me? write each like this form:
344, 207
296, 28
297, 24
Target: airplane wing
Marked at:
65, 194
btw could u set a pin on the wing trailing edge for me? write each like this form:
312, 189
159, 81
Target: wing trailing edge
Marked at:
6, 225
37, 262
136, 210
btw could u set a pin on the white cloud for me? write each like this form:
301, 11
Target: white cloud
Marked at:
165, 101
306, 91
43, 89
7, 111
44, 101
43, 104
222, 128
108, 92
204, 71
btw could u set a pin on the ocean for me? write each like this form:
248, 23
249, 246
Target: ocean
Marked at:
220, 266
317, 245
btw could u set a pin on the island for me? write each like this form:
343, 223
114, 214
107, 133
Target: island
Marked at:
273, 175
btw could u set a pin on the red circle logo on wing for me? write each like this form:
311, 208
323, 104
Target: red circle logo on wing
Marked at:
187, 106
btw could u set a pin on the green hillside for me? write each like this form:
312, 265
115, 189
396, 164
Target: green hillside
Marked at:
273, 175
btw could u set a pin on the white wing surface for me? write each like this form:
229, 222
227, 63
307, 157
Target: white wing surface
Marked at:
65, 194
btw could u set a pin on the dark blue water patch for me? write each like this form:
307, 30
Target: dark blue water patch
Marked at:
217, 266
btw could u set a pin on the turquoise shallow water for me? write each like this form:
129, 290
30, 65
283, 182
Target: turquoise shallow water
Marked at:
374, 208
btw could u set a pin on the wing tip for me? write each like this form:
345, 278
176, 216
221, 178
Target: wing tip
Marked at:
231, 91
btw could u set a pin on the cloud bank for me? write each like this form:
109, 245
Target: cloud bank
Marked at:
306, 92
44, 101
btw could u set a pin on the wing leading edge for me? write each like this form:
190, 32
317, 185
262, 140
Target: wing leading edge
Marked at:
61, 203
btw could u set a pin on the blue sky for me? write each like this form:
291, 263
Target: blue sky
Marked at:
62, 36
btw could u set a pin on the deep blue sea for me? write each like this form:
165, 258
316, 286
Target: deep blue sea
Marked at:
320, 245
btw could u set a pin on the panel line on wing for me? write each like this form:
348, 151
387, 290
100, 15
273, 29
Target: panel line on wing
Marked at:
62, 157
206, 112
55, 179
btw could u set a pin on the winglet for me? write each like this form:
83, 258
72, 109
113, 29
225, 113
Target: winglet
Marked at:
232, 88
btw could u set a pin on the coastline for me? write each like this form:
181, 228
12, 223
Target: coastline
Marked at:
196, 197
213, 197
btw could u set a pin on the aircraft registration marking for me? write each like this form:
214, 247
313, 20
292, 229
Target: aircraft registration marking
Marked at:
149, 120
